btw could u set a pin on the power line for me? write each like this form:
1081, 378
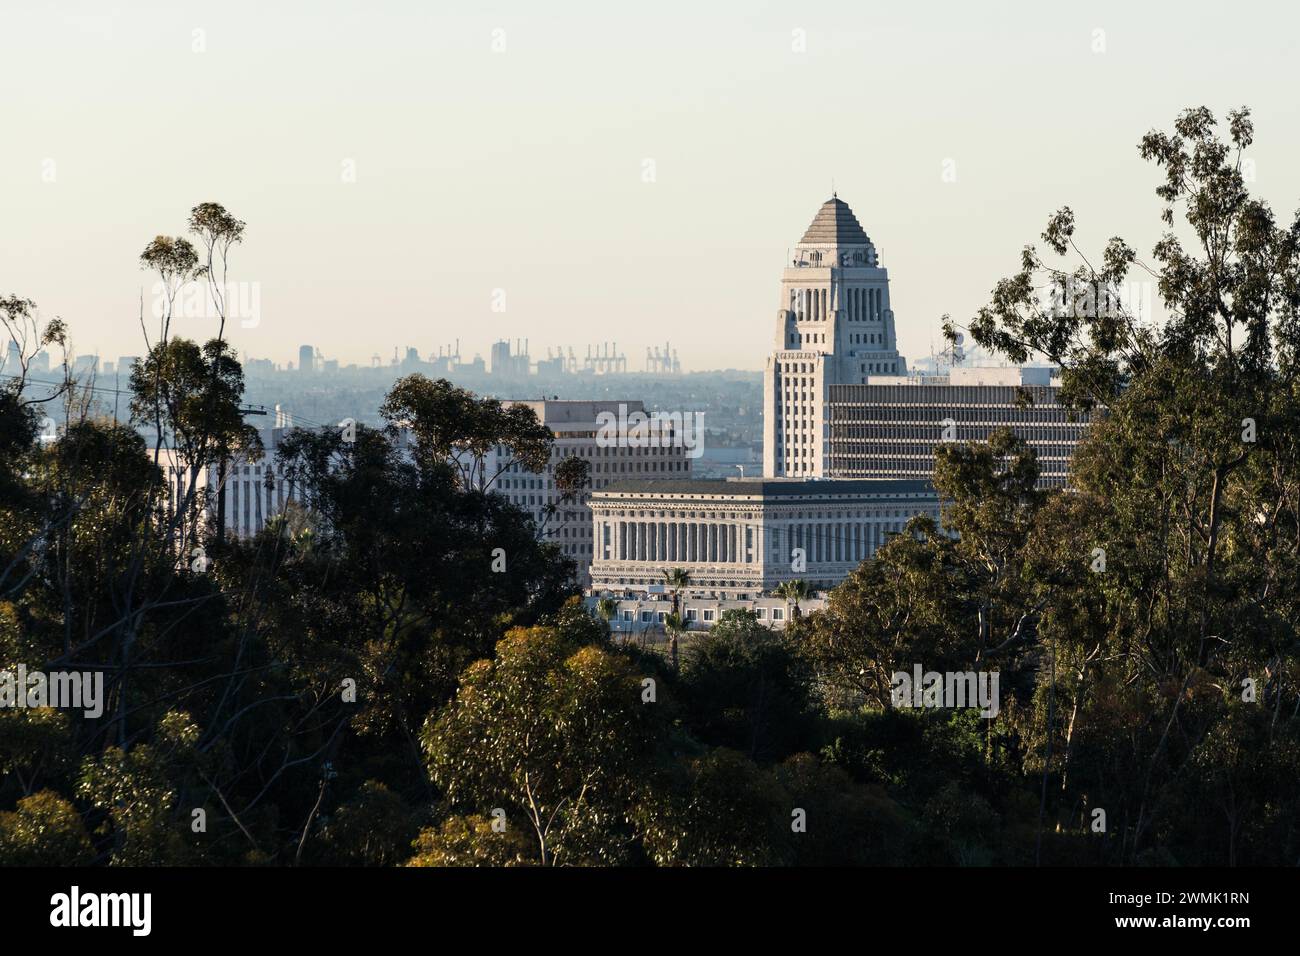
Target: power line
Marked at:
246, 409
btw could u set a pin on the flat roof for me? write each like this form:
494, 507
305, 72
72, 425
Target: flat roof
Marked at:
772, 487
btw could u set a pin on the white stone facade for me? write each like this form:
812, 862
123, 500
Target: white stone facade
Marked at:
746, 534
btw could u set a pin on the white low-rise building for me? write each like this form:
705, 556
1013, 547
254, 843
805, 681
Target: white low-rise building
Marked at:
746, 535
646, 613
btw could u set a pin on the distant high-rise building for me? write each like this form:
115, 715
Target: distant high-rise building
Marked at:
306, 359
500, 356
834, 326
504, 362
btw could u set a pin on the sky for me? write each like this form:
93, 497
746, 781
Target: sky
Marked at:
416, 172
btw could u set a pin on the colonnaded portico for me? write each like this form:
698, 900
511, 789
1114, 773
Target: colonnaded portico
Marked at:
747, 533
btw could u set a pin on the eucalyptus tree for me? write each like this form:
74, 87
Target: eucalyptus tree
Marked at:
1187, 548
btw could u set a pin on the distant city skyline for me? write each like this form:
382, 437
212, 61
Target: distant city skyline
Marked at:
412, 175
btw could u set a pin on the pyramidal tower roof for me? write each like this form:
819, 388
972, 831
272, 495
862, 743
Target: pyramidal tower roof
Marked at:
835, 225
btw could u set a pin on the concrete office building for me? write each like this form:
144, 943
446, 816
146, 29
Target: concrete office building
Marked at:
890, 427
582, 429
254, 491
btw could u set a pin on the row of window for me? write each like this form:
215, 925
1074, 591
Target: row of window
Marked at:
708, 615
926, 436
884, 466
995, 415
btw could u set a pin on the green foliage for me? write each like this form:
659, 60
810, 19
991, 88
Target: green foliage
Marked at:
195, 394
718, 809
137, 791
450, 424
374, 828
554, 731
747, 687
44, 830
471, 841
358, 685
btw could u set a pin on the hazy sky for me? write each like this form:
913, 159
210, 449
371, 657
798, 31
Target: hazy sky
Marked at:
523, 169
